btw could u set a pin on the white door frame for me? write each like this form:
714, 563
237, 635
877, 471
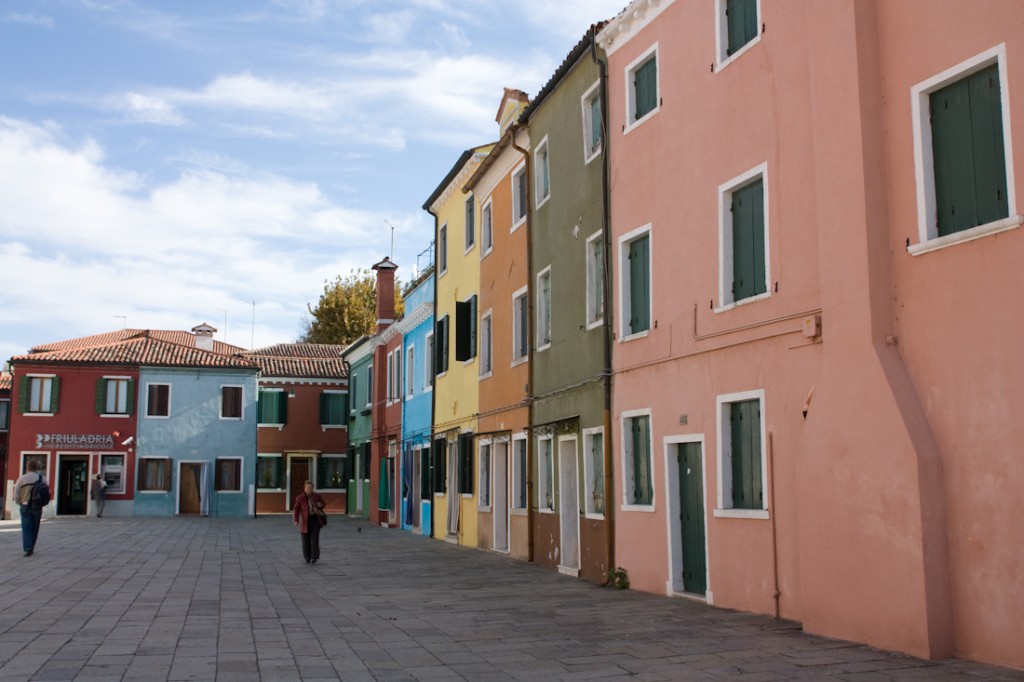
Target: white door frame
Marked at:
568, 505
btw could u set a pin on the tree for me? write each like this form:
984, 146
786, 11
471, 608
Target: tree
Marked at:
347, 309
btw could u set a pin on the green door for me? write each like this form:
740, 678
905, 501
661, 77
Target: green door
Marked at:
691, 517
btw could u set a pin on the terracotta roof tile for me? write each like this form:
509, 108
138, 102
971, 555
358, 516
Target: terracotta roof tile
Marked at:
300, 360
139, 350
300, 350
179, 337
5, 381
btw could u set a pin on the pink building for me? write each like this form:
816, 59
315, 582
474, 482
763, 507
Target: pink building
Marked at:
814, 244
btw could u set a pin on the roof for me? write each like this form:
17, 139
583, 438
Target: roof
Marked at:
452, 174
570, 60
142, 350
179, 337
5, 381
300, 360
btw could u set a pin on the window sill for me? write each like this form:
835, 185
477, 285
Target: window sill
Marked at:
270, 490
729, 59
487, 375
38, 414
648, 508
114, 415
593, 155
743, 301
228, 492
543, 201
545, 510
594, 517
595, 324
486, 508
640, 121
279, 427
325, 427
971, 234
515, 511
157, 416
741, 514
633, 337
519, 361
538, 349
519, 223
469, 249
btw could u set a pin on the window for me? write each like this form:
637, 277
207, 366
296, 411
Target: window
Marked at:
486, 353
439, 465
38, 394
5, 415
353, 385
230, 402
544, 309
545, 475
465, 329
40, 460
333, 408
442, 249
741, 23
519, 194
519, 472
154, 474
333, 472
542, 171
465, 463
484, 500
963, 156
593, 471
741, 456
396, 377
410, 371
115, 396
744, 237
227, 474
486, 229
426, 473
642, 93
593, 128
430, 362
638, 485
112, 471
441, 345
635, 283
272, 406
389, 382
470, 222
369, 387
520, 326
595, 280
158, 400
270, 473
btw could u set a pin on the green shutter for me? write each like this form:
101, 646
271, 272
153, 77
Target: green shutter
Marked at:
462, 330
130, 397
642, 488
470, 223
639, 285
282, 407
472, 326
324, 409
54, 394
741, 17
438, 464
745, 423
280, 472
101, 395
24, 392
321, 472
748, 262
645, 82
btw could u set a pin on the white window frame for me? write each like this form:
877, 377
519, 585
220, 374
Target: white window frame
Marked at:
485, 450
627, 457
722, 58
924, 162
723, 456
369, 388
589, 471
518, 485
442, 250
335, 455
241, 476
517, 172
590, 150
46, 395
106, 398
171, 465
595, 281
396, 393
169, 386
278, 425
516, 334
486, 344
410, 371
428, 362
271, 455
486, 228
344, 424
545, 477
630, 70
543, 311
389, 382
220, 414
5, 403
542, 159
725, 270
625, 301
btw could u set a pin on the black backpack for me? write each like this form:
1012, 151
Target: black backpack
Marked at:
40, 496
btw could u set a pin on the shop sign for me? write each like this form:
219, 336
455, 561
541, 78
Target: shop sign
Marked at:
75, 441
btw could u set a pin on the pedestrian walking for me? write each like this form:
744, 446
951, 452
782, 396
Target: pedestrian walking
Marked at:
31, 504
99, 494
310, 517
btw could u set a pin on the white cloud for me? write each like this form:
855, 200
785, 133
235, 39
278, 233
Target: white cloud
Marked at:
150, 109
30, 18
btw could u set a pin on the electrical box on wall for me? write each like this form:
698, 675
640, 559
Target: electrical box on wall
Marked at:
812, 326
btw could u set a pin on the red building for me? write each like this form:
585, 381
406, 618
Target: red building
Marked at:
386, 415
303, 425
5, 421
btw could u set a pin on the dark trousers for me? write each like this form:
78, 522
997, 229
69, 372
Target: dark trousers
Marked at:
30, 519
311, 540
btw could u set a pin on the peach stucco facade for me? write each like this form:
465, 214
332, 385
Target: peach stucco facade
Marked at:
881, 361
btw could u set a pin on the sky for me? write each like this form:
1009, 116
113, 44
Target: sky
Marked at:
168, 163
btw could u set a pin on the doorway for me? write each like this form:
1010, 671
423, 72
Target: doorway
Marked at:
190, 478
691, 516
299, 470
569, 506
500, 491
72, 485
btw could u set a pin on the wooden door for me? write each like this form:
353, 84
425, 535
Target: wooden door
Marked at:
298, 476
189, 478
691, 489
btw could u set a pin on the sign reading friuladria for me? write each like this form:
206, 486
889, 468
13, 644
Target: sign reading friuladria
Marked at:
75, 441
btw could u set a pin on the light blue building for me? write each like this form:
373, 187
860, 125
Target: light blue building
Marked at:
196, 449
417, 328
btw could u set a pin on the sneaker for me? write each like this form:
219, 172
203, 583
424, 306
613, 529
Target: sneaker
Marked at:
28, 553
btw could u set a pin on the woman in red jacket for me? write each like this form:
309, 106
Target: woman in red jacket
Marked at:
309, 516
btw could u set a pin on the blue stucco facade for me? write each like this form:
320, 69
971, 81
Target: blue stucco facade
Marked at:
417, 406
211, 458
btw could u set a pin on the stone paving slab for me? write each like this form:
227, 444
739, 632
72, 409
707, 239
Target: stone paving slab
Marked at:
217, 599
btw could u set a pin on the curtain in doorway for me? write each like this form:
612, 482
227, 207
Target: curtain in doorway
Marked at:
407, 484
204, 489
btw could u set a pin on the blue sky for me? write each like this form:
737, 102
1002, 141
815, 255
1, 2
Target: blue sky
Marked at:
168, 163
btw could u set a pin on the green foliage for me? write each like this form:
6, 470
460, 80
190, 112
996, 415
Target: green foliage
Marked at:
347, 309
620, 579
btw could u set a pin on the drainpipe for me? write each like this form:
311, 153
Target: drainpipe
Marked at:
606, 327
775, 541
513, 131
433, 386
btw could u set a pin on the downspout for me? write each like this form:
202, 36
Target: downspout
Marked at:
513, 131
606, 327
433, 386
775, 540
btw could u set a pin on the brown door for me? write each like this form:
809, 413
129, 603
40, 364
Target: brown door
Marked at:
188, 488
299, 475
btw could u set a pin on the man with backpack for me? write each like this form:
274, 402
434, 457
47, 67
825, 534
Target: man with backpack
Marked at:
32, 493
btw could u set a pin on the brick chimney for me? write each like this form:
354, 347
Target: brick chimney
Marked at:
204, 336
385, 293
